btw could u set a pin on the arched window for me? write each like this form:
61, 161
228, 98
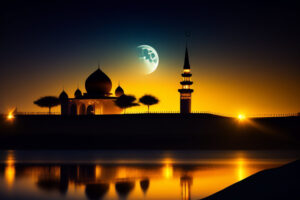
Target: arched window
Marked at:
90, 110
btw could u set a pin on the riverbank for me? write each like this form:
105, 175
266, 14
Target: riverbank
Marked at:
278, 183
148, 131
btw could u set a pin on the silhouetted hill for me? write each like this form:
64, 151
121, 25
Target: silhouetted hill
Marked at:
279, 183
149, 131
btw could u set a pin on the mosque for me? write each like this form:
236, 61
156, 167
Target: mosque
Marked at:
98, 98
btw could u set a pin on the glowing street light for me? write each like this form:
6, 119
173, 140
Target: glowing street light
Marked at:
241, 117
10, 116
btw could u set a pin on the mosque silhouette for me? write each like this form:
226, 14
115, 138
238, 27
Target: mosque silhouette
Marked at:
99, 100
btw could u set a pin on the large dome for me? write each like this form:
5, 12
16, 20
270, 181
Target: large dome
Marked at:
98, 83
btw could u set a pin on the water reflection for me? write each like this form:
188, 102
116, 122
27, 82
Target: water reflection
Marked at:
95, 191
10, 169
124, 187
185, 183
241, 169
166, 180
168, 171
144, 183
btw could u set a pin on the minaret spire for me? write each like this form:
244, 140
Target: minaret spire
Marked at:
186, 59
186, 91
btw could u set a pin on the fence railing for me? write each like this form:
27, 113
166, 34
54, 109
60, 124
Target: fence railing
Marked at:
276, 115
174, 112
221, 114
38, 113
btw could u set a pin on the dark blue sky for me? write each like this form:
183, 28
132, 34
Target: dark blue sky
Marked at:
58, 26
39, 37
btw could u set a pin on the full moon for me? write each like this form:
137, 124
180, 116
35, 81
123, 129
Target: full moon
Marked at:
149, 57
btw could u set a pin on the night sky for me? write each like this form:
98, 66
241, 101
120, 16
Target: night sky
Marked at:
244, 56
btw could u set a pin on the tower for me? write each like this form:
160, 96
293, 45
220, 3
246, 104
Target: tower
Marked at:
63, 97
186, 91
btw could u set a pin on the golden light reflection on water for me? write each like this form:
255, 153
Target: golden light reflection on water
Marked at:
167, 171
167, 180
10, 174
10, 158
98, 171
241, 169
10, 171
186, 183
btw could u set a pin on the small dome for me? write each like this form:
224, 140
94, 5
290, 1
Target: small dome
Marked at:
78, 93
98, 83
63, 95
119, 91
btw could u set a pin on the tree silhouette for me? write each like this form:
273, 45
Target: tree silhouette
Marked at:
47, 101
148, 100
96, 190
123, 188
126, 101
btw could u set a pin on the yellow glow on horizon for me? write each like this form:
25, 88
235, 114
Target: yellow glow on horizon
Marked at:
209, 86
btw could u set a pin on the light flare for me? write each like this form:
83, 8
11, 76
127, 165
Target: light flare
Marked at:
10, 116
241, 117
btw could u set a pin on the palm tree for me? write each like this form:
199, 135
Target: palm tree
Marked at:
47, 101
126, 101
148, 100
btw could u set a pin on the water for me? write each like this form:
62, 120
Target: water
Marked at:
132, 175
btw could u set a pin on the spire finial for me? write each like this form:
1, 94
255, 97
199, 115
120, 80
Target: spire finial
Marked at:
186, 58
98, 65
187, 36
119, 83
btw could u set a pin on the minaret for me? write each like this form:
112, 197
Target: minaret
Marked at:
186, 91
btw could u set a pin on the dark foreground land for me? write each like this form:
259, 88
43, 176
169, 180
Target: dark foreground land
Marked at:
279, 183
149, 131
